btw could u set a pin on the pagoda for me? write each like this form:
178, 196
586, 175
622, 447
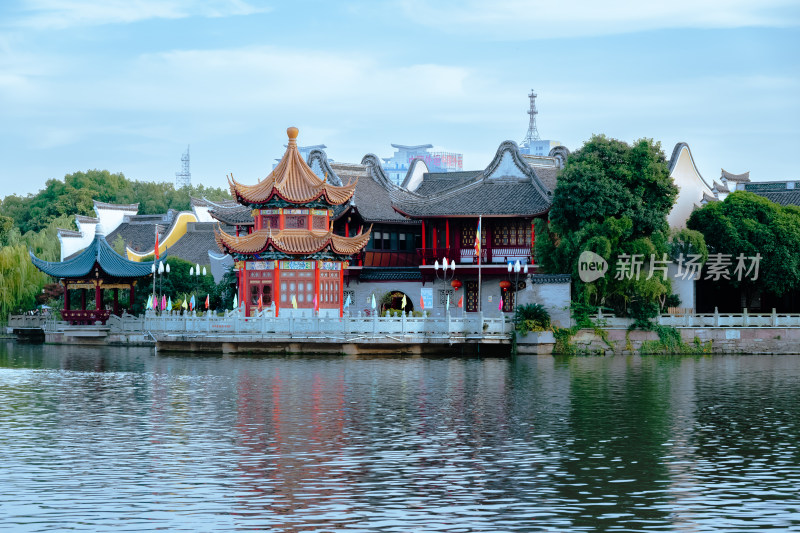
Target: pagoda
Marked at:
99, 268
291, 258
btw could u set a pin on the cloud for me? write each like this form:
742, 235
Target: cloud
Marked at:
61, 14
525, 20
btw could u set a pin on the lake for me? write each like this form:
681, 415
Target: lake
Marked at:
123, 439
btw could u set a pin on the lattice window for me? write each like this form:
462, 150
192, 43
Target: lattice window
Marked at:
351, 294
443, 297
296, 221
512, 233
509, 297
471, 291
319, 222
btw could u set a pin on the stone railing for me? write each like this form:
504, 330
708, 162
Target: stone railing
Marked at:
709, 320
264, 324
26, 321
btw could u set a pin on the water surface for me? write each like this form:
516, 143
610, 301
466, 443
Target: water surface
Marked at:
121, 439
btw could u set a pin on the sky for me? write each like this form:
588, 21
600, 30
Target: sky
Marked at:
127, 85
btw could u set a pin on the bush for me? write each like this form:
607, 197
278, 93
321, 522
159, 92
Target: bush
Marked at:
531, 317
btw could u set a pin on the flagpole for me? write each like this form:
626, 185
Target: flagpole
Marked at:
480, 252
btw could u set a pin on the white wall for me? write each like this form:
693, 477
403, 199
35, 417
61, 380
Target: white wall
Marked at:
691, 187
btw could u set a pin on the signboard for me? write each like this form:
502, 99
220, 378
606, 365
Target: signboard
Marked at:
427, 297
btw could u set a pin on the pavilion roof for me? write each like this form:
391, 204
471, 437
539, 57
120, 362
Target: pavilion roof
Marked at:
99, 252
291, 180
291, 241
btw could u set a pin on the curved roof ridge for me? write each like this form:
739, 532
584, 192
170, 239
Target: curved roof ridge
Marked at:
319, 155
735, 177
375, 170
291, 241
673, 161
411, 167
512, 148
98, 251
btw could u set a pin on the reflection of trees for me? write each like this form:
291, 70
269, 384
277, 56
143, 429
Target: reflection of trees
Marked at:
619, 421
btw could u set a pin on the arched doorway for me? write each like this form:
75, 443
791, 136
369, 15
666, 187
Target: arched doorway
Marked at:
394, 301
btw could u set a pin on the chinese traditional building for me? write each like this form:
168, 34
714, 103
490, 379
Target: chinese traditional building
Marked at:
290, 257
97, 268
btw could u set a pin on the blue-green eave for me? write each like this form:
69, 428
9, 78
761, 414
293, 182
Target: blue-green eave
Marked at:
100, 252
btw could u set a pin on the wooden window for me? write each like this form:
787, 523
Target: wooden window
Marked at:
296, 221
319, 222
471, 291
468, 236
508, 300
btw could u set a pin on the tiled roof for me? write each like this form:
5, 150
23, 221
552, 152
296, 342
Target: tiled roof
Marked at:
772, 186
87, 220
100, 252
120, 207
783, 198
436, 182
371, 198
239, 215
390, 274
138, 237
204, 202
548, 176
293, 181
720, 187
71, 233
707, 198
538, 279
291, 241
196, 243
735, 177
482, 197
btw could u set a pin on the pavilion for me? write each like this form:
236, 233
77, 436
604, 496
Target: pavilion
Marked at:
97, 267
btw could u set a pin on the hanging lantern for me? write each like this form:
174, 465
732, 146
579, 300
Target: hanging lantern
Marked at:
505, 284
456, 284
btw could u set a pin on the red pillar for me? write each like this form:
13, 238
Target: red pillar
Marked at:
66, 296
423, 241
434, 239
347, 229
83, 299
341, 290
245, 289
533, 242
98, 297
276, 284
447, 234
316, 285
281, 221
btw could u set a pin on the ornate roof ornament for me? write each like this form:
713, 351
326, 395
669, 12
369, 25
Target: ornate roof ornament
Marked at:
292, 181
735, 177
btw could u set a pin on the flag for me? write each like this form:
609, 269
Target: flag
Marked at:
294, 301
316, 303
185, 304
347, 302
403, 303
163, 302
447, 306
373, 301
500, 307
235, 301
478, 239
260, 302
169, 303
156, 252
149, 302
421, 302
461, 301
192, 303
206, 301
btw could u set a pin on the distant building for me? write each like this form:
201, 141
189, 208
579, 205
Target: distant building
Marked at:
184, 177
532, 144
396, 167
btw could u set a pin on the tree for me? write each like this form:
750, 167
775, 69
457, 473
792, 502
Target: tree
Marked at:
748, 224
611, 199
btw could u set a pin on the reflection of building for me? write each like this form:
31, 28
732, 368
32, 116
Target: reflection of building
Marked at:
397, 166
290, 256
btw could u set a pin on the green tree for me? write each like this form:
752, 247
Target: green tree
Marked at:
747, 224
612, 199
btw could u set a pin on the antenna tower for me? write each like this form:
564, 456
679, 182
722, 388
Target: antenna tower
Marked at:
184, 177
533, 131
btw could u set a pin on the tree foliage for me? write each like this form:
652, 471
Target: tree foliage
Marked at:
75, 194
748, 224
612, 199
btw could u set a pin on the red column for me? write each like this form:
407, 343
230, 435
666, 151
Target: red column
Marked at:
341, 290
98, 297
246, 289
347, 229
316, 286
66, 297
489, 234
533, 242
447, 235
423, 241
434, 239
281, 221
276, 287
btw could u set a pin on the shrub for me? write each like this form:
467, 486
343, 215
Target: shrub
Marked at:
531, 317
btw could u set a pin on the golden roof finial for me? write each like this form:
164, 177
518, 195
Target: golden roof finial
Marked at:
292, 133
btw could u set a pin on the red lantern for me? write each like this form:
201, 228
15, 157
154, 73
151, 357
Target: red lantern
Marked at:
505, 284
455, 284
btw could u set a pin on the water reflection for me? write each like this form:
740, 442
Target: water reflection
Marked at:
110, 439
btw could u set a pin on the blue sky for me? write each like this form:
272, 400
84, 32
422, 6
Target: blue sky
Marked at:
126, 85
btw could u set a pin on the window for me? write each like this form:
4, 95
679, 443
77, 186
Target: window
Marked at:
471, 291
296, 221
512, 233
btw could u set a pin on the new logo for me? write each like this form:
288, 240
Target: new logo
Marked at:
591, 267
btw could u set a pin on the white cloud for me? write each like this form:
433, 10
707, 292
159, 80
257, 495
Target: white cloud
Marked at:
526, 20
60, 14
